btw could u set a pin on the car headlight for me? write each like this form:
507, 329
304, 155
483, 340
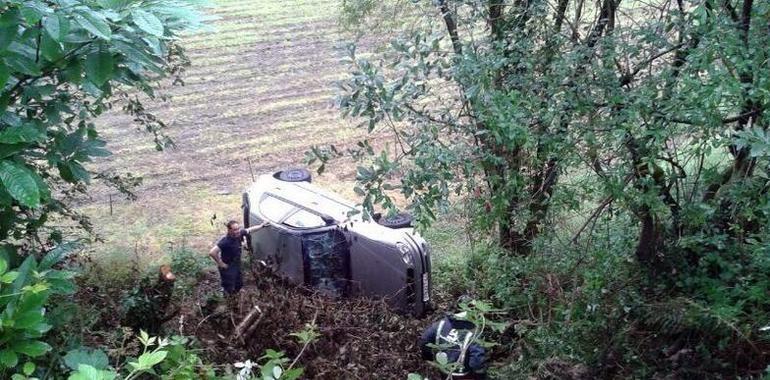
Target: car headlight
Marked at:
406, 253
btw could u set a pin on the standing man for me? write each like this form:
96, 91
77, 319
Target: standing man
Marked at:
227, 254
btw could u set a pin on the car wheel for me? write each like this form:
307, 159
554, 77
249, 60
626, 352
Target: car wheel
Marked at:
397, 221
294, 175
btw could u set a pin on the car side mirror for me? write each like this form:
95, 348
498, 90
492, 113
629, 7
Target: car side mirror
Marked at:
328, 220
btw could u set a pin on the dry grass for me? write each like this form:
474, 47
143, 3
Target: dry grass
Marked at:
261, 87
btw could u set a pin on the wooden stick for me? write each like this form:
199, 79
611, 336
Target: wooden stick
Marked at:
247, 322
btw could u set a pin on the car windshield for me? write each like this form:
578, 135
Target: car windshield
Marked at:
279, 211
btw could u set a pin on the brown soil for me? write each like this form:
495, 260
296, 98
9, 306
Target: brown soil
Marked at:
359, 339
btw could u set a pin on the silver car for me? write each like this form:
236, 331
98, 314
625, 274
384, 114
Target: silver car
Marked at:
321, 240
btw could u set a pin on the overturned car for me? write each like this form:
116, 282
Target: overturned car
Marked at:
320, 240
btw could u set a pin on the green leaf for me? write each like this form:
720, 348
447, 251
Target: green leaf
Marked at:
20, 183
94, 358
73, 72
4, 75
79, 172
99, 66
50, 48
92, 89
293, 374
31, 348
24, 270
7, 150
52, 26
3, 265
94, 23
25, 133
28, 319
55, 255
29, 367
441, 358
8, 358
42, 188
134, 54
9, 277
32, 13
7, 36
22, 64
149, 359
148, 22
86, 372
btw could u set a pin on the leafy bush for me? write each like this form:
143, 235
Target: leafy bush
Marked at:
187, 265
170, 359
26, 285
61, 65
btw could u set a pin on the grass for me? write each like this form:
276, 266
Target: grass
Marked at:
260, 86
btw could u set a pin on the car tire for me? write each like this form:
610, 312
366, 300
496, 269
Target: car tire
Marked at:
397, 221
294, 175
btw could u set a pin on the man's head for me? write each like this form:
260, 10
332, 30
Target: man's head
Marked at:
233, 228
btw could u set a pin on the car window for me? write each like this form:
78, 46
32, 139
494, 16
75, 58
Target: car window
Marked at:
304, 219
275, 209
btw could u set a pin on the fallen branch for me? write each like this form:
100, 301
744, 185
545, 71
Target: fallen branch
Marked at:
247, 323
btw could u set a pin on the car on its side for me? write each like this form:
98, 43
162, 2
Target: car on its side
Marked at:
320, 240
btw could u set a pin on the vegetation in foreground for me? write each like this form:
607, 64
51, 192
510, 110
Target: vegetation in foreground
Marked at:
611, 164
619, 152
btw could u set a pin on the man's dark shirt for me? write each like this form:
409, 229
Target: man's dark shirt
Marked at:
231, 247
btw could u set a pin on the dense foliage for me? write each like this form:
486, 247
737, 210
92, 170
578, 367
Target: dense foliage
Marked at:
573, 128
62, 63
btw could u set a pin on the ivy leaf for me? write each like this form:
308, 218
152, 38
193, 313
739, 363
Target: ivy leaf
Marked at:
20, 183
148, 22
94, 23
99, 66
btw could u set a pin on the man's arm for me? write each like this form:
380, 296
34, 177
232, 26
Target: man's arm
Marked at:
215, 254
257, 227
